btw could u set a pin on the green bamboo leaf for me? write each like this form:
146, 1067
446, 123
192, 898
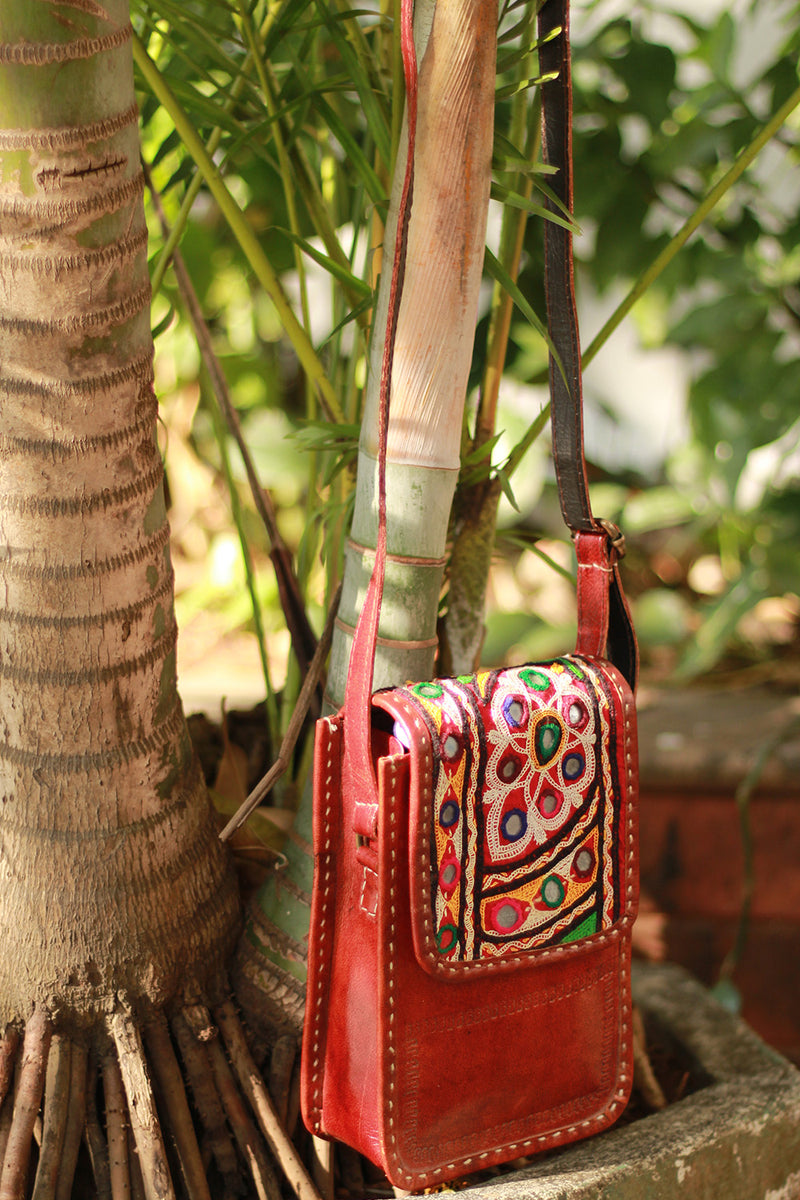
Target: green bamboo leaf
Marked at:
500, 275
505, 484
354, 315
515, 200
242, 231
333, 268
482, 452
376, 116
164, 323
355, 156
523, 85
525, 542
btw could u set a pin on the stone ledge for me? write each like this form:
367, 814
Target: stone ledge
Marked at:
736, 1139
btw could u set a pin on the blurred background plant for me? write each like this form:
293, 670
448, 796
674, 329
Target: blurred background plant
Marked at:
268, 128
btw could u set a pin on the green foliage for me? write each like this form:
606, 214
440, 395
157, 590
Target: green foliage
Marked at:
293, 100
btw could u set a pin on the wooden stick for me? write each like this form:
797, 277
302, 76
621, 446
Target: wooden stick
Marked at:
260, 1101
176, 1108
26, 1106
8, 1058
137, 1181
208, 1104
96, 1142
54, 1122
142, 1114
116, 1126
6, 1115
76, 1114
244, 1130
300, 631
294, 727
281, 1065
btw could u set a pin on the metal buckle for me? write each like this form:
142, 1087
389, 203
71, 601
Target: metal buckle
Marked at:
615, 536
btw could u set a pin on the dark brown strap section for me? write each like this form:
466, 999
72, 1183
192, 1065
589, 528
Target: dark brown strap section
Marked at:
566, 412
566, 393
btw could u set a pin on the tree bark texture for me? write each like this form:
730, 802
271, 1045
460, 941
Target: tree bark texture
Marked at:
113, 885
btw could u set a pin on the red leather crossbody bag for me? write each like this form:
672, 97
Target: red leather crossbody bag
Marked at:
475, 851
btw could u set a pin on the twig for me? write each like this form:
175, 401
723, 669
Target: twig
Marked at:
76, 1114
244, 1130
54, 1121
293, 729
117, 1127
281, 1065
26, 1106
176, 1108
8, 1058
255, 1090
142, 1113
207, 1103
95, 1139
302, 635
6, 1115
137, 1181
322, 1166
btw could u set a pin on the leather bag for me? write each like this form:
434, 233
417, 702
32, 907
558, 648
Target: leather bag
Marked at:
475, 845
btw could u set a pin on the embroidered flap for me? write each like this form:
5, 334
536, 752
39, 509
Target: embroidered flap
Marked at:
520, 827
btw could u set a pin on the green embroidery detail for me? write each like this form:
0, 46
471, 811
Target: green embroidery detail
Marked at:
465, 678
552, 891
431, 691
583, 930
534, 679
451, 933
547, 740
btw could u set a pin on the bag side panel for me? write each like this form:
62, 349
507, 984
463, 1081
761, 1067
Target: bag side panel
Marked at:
339, 1081
481, 1068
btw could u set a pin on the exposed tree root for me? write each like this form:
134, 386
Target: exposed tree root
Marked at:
146, 1138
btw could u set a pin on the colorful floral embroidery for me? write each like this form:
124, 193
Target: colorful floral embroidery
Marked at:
525, 808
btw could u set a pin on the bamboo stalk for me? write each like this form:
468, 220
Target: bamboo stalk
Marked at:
54, 1122
245, 1132
117, 1129
258, 1097
28, 1097
144, 1122
176, 1109
207, 1103
76, 1113
432, 355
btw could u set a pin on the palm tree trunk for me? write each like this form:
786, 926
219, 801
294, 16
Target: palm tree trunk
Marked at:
456, 48
116, 898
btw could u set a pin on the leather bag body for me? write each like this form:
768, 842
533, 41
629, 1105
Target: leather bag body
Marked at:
433, 1052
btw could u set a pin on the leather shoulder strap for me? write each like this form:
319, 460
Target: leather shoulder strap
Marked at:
566, 409
605, 628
